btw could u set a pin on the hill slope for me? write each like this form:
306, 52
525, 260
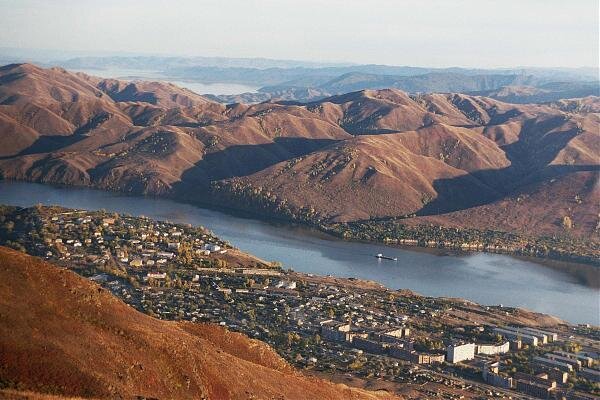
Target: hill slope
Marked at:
61, 334
369, 154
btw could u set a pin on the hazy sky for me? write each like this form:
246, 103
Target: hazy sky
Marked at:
474, 33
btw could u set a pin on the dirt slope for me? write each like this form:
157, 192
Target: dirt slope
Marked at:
61, 334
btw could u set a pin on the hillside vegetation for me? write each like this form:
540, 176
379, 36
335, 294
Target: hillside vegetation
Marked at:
61, 335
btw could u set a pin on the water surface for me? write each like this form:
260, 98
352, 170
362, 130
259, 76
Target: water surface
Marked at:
223, 88
484, 278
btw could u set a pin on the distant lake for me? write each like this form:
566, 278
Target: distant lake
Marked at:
197, 87
489, 279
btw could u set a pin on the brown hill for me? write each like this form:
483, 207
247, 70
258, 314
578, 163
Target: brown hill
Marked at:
367, 154
63, 335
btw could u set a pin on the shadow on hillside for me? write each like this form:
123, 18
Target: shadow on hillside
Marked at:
243, 160
50, 143
468, 191
530, 157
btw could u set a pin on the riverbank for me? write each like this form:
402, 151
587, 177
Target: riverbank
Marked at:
484, 278
393, 231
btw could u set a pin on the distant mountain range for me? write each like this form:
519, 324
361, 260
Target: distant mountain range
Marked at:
447, 159
300, 81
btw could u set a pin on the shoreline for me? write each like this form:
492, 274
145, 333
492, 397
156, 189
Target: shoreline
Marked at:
325, 231
237, 256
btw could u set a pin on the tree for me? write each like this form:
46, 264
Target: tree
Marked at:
317, 338
186, 256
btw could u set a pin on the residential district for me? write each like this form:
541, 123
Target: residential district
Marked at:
356, 332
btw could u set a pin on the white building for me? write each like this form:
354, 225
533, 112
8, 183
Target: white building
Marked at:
492, 349
212, 247
156, 275
460, 352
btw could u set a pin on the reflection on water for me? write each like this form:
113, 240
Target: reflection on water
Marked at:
484, 278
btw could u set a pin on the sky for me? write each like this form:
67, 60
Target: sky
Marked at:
433, 33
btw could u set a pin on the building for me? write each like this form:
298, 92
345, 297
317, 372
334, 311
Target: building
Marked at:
553, 374
156, 275
576, 364
136, 262
460, 352
549, 336
212, 247
402, 332
585, 360
590, 374
511, 334
492, 349
491, 375
543, 361
414, 357
535, 389
369, 345
334, 331
541, 378
393, 336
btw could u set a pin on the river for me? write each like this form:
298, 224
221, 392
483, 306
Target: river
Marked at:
489, 279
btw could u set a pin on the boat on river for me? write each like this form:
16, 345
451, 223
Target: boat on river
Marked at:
382, 257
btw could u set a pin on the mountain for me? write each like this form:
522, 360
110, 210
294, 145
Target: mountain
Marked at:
64, 335
510, 88
543, 93
365, 155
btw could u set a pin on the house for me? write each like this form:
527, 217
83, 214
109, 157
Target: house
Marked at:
212, 247
136, 262
165, 254
156, 275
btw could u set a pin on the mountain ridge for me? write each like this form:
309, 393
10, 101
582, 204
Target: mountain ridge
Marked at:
362, 155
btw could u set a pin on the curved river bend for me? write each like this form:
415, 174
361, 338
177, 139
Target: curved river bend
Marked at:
484, 278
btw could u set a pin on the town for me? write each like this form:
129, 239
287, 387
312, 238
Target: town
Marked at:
350, 331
